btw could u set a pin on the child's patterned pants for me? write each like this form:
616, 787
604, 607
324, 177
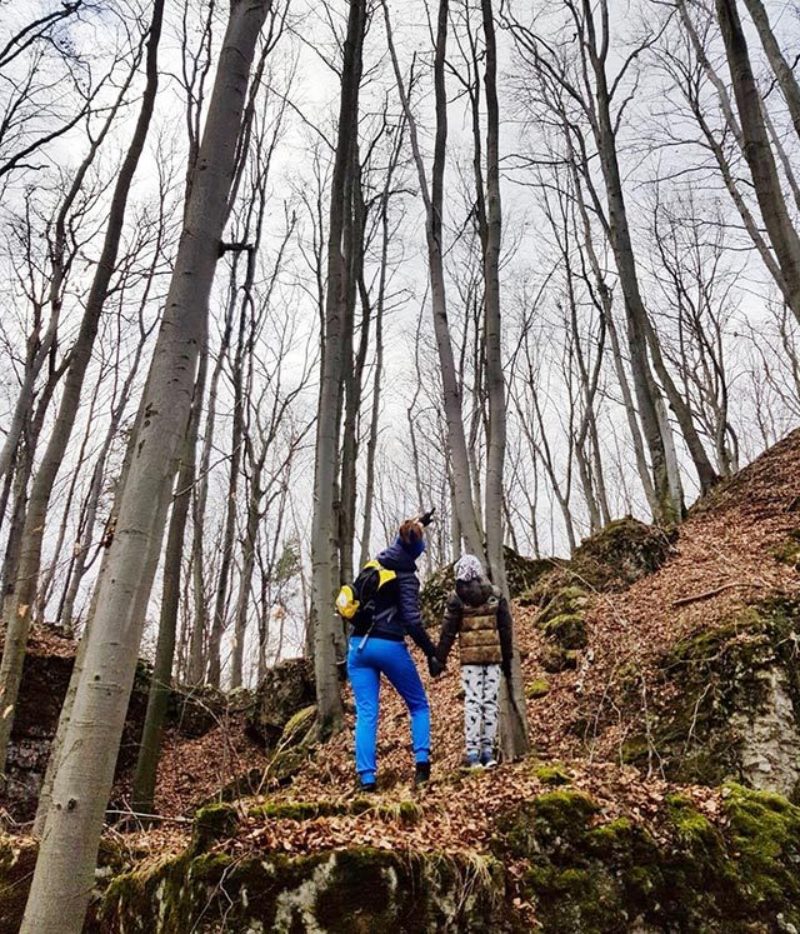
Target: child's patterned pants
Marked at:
481, 684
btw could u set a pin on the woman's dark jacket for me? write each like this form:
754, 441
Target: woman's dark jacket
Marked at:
397, 610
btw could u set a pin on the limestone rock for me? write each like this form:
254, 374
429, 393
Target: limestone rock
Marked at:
730, 704
287, 689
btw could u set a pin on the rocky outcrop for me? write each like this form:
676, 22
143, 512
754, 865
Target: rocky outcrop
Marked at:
682, 873
287, 689
344, 890
729, 703
45, 680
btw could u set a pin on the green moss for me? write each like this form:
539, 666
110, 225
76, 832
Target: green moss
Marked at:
298, 810
765, 831
539, 687
551, 773
689, 824
214, 822
568, 630
718, 677
789, 551
353, 890
694, 876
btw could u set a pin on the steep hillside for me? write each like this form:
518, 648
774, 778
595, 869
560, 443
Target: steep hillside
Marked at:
663, 691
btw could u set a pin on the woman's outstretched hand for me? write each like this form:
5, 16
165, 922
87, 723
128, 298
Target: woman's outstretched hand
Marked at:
435, 667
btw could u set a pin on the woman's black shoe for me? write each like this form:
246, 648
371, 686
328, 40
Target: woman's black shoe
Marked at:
422, 774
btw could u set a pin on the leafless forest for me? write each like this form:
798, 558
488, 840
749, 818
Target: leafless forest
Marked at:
278, 274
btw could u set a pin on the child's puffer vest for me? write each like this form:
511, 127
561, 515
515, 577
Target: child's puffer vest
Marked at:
479, 640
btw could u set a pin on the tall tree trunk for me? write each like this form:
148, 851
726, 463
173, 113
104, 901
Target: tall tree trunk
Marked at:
459, 458
64, 874
783, 70
372, 442
144, 778
513, 719
328, 633
645, 388
20, 611
757, 152
229, 536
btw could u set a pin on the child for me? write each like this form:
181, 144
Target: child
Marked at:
479, 615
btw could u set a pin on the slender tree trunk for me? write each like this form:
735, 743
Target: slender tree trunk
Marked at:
459, 459
229, 536
757, 152
144, 778
513, 719
645, 388
706, 474
64, 874
20, 611
328, 633
372, 443
783, 70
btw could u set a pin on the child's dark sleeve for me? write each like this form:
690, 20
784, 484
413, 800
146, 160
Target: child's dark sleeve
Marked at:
451, 626
504, 630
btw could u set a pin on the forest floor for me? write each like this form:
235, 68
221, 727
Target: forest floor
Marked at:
720, 563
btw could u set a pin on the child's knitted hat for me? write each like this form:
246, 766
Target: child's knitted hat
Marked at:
468, 568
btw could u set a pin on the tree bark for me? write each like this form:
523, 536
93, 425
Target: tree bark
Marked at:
645, 388
64, 875
144, 778
757, 152
459, 460
513, 720
783, 70
328, 632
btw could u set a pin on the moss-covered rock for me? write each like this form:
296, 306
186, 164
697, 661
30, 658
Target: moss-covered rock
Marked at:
620, 554
353, 890
789, 551
287, 689
213, 822
614, 558
539, 687
551, 773
555, 659
729, 703
563, 617
598, 877
296, 745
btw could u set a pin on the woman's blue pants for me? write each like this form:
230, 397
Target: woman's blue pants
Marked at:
365, 667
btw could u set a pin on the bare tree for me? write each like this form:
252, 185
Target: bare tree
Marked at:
758, 153
62, 880
433, 197
328, 633
20, 608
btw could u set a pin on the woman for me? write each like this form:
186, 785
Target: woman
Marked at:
377, 647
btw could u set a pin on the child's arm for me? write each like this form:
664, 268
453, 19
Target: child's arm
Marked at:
451, 626
504, 630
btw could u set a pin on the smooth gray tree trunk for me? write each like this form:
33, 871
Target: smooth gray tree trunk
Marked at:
328, 631
760, 159
64, 874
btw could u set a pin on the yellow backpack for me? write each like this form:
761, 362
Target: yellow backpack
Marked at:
358, 598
